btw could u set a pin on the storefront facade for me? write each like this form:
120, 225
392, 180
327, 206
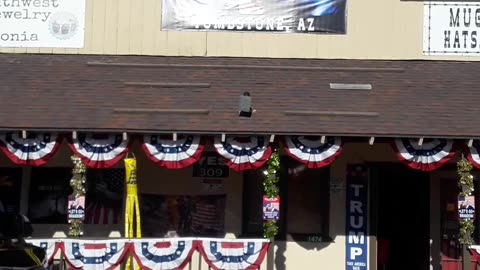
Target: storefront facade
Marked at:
137, 68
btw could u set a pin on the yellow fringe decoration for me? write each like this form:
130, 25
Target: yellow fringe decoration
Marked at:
132, 209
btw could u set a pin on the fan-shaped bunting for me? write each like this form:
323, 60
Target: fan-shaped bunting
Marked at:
429, 156
170, 154
35, 150
310, 150
244, 153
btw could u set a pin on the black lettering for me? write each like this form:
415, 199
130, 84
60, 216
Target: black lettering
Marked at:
37, 3
446, 44
7, 14
33, 37
46, 3
473, 36
15, 37
4, 37
454, 21
18, 15
55, 3
456, 41
477, 17
15, 3
464, 34
26, 3
467, 24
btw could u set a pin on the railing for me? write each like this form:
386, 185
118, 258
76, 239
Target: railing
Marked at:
155, 253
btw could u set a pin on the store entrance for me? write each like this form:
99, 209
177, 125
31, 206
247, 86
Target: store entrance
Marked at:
400, 199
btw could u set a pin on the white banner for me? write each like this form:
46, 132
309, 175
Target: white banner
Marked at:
451, 28
42, 23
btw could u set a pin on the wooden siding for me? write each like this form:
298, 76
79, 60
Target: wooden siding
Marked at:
376, 29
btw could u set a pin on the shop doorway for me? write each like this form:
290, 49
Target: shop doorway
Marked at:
400, 216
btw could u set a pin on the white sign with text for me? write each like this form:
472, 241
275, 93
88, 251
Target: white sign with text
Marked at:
42, 23
451, 28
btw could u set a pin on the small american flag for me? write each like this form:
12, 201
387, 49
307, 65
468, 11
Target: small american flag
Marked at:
208, 217
105, 207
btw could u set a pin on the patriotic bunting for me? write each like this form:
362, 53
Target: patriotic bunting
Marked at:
312, 152
474, 154
234, 254
173, 154
165, 254
429, 156
49, 245
35, 150
100, 152
94, 255
244, 153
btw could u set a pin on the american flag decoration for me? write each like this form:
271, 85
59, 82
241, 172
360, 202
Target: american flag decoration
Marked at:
165, 254
171, 154
474, 154
99, 208
429, 156
36, 149
99, 151
94, 255
234, 254
208, 219
244, 153
310, 150
51, 246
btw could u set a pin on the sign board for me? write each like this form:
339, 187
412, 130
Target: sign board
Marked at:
271, 208
297, 16
42, 23
210, 165
76, 208
466, 208
212, 185
451, 28
357, 215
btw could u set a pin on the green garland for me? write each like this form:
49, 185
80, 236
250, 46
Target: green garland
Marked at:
270, 228
78, 184
466, 185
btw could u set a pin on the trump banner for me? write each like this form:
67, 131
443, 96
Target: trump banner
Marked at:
297, 16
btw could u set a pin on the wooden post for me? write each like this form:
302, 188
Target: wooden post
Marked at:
466, 259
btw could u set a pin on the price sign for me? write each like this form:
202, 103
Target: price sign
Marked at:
210, 165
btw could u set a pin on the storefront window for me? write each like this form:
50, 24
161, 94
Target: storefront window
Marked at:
50, 187
10, 186
308, 201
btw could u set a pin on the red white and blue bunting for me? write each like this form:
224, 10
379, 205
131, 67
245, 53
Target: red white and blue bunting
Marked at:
474, 154
234, 254
429, 156
244, 153
94, 255
173, 154
100, 152
49, 245
35, 150
312, 152
165, 254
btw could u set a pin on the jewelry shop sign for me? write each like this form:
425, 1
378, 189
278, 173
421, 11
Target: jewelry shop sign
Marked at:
42, 23
451, 28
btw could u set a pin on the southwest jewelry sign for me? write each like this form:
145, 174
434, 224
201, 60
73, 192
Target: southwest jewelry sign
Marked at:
451, 28
42, 23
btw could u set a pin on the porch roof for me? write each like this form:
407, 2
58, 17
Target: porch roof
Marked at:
201, 95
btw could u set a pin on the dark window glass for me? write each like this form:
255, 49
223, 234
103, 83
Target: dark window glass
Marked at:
10, 186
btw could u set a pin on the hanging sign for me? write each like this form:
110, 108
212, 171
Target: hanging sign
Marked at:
466, 207
271, 208
356, 225
451, 28
211, 165
76, 207
42, 23
306, 16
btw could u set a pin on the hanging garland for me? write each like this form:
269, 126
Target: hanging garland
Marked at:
78, 184
270, 228
466, 185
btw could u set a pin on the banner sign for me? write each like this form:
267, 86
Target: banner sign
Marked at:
298, 16
451, 28
76, 207
466, 208
210, 165
271, 208
42, 23
356, 222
